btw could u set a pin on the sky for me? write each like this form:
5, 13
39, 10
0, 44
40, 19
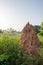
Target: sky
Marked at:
16, 13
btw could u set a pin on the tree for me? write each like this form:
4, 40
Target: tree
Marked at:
41, 29
37, 28
41, 26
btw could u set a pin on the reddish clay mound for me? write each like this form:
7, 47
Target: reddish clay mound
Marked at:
29, 39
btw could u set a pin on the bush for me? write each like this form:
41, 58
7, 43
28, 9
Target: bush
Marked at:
41, 33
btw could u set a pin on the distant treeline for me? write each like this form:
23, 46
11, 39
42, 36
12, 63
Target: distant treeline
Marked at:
11, 30
38, 28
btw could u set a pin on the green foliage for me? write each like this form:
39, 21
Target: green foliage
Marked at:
41, 49
20, 58
41, 29
37, 28
41, 40
41, 33
1, 31
41, 25
11, 52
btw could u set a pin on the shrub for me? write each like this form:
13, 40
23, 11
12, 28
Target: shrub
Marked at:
41, 33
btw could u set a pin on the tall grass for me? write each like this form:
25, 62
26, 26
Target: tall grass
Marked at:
11, 52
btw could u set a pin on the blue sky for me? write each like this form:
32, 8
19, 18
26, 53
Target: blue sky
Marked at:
16, 13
